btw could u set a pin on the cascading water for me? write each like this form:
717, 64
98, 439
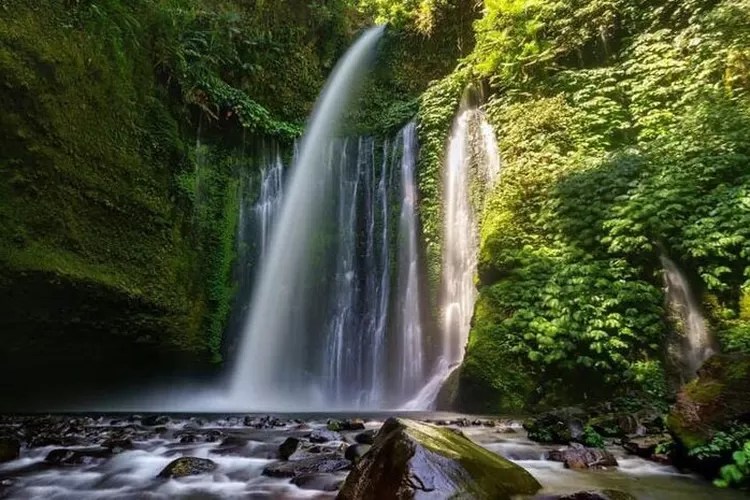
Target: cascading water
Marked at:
697, 343
269, 201
472, 165
411, 364
272, 371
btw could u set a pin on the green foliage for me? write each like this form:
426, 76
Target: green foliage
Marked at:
722, 444
738, 473
438, 106
622, 130
592, 438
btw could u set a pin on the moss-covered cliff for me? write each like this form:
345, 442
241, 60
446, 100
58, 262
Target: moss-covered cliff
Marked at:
115, 228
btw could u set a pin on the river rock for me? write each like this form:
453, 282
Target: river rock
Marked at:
10, 449
188, 466
590, 495
356, 451
318, 482
354, 424
367, 437
720, 395
580, 457
324, 436
288, 447
154, 420
323, 463
71, 456
558, 426
645, 446
416, 460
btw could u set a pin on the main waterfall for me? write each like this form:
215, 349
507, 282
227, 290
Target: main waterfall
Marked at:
271, 371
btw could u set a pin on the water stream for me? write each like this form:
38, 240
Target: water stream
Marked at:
697, 342
472, 166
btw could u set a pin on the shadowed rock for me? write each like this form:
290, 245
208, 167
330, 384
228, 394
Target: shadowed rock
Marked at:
324, 463
10, 449
415, 460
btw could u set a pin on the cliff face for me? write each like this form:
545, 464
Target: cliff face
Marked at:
123, 134
115, 229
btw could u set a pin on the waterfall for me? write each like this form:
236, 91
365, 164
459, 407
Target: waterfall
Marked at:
269, 200
272, 370
697, 343
472, 164
411, 369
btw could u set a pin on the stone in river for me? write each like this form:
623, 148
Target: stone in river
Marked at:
188, 466
323, 463
10, 449
416, 460
288, 447
580, 457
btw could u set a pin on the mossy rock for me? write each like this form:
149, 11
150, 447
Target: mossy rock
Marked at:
417, 460
720, 395
188, 466
559, 426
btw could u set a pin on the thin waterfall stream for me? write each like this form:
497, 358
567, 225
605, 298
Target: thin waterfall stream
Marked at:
697, 342
472, 159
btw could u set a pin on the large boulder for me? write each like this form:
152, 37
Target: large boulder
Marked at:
417, 460
719, 396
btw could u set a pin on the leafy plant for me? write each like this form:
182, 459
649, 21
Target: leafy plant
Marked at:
736, 474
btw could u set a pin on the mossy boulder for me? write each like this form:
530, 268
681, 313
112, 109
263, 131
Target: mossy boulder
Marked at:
417, 460
559, 426
188, 466
720, 395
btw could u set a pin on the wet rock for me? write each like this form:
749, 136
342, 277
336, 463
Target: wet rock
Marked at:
354, 424
590, 495
356, 451
367, 437
189, 439
489, 423
10, 449
559, 426
233, 442
288, 447
580, 457
720, 395
318, 482
409, 459
154, 420
118, 445
324, 436
72, 456
645, 446
324, 463
188, 466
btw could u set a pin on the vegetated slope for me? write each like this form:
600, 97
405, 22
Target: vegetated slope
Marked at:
623, 133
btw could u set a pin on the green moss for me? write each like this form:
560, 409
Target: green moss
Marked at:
493, 474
